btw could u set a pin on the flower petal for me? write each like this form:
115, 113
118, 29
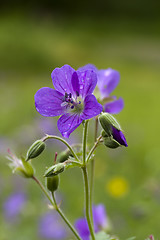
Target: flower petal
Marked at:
61, 78
119, 136
88, 67
87, 82
100, 217
48, 102
82, 227
91, 107
75, 83
67, 123
107, 81
115, 106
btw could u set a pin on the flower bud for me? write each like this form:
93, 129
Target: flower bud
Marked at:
110, 142
55, 170
63, 156
53, 183
35, 149
107, 121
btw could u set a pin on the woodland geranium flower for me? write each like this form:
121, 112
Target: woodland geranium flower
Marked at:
100, 222
108, 80
14, 205
72, 98
51, 227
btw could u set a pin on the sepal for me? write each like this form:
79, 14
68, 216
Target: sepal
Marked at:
107, 121
54, 170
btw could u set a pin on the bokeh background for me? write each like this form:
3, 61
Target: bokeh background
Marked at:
36, 37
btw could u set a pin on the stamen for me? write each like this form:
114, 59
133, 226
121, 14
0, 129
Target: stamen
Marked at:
70, 95
79, 102
72, 107
77, 93
66, 95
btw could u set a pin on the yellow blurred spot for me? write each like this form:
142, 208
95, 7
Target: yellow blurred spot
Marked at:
117, 187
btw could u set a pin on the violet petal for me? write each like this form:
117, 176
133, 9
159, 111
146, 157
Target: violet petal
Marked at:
87, 82
48, 102
115, 106
75, 83
88, 67
82, 227
50, 227
61, 78
119, 136
14, 205
91, 107
67, 123
107, 81
100, 217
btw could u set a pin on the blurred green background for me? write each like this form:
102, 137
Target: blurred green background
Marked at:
36, 37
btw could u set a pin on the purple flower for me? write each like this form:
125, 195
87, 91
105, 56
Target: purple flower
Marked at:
72, 98
13, 205
108, 80
50, 227
100, 222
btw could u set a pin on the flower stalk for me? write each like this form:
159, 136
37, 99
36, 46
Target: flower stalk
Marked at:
55, 206
65, 142
87, 202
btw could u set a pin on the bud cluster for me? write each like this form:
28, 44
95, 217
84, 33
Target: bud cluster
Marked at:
112, 134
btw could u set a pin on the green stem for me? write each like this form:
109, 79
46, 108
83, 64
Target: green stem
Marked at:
54, 204
87, 201
64, 218
84, 142
62, 140
43, 189
93, 170
93, 148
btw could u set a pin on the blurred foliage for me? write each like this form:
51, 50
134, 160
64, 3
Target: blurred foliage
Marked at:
32, 44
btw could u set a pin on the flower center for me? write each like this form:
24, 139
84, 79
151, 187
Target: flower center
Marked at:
72, 104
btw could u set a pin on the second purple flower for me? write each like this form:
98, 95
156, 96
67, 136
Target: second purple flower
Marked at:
72, 98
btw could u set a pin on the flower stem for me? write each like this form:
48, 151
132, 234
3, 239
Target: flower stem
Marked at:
65, 142
84, 142
64, 218
87, 201
43, 189
93, 148
93, 169
54, 204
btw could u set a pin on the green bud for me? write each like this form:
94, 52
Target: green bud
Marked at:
55, 170
53, 183
107, 121
110, 142
63, 156
35, 149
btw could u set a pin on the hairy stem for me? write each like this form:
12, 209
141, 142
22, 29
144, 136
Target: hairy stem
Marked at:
93, 169
65, 142
64, 218
93, 148
87, 202
84, 141
54, 204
